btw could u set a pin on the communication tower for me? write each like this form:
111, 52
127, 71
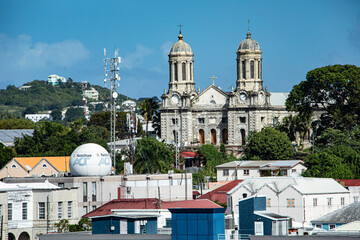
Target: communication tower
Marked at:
112, 76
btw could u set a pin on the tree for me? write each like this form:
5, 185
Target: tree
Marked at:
152, 156
6, 154
148, 107
332, 89
73, 113
31, 110
210, 157
269, 144
16, 123
56, 115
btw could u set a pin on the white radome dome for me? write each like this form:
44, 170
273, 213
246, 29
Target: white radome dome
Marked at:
90, 159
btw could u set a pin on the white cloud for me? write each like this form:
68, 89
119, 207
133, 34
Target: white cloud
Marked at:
134, 59
24, 54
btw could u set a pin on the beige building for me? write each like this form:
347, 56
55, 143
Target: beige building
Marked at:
29, 209
192, 117
240, 170
35, 166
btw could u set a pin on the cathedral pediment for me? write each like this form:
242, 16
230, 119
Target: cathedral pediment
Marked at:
211, 96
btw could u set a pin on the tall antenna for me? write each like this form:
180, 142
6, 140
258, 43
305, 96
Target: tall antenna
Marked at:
114, 81
84, 85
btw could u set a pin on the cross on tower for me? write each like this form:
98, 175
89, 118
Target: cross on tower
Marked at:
180, 27
248, 25
213, 78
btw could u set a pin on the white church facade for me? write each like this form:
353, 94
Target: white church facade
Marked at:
214, 116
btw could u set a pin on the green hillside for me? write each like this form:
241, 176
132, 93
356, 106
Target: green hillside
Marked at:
44, 96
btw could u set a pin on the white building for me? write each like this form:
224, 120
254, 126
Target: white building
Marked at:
92, 94
55, 79
36, 117
215, 116
300, 198
29, 209
239, 170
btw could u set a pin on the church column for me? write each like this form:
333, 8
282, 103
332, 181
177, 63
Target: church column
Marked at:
247, 63
192, 71
179, 71
172, 72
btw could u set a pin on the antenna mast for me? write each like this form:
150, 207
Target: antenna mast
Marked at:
114, 82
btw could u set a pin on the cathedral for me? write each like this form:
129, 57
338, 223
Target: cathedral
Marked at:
191, 117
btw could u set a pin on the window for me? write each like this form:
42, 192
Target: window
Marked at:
246, 171
176, 72
262, 119
44, 166
293, 170
9, 211
85, 210
329, 201
252, 75
314, 202
356, 198
259, 69
318, 225
13, 166
85, 192
183, 71
24, 210
62, 185
201, 120
225, 172
70, 209
60, 210
190, 71
93, 207
243, 68
332, 226
284, 172
342, 200
290, 202
275, 120
174, 121
268, 202
242, 119
93, 191
224, 120
41, 210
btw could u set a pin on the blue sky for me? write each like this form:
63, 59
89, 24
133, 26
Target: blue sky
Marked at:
67, 37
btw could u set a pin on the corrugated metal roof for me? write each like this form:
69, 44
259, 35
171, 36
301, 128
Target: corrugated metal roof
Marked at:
260, 163
349, 182
301, 184
285, 163
347, 214
7, 136
219, 194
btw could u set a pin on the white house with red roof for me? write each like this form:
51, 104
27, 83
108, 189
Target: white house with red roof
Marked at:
353, 185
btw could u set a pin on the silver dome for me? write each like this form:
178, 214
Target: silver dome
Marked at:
249, 43
180, 46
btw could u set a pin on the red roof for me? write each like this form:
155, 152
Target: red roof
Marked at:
219, 194
149, 203
196, 193
349, 182
188, 155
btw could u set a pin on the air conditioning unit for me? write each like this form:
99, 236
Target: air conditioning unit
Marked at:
128, 190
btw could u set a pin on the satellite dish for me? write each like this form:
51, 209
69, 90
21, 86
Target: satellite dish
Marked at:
115, 95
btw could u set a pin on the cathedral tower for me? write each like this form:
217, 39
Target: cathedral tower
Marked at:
249, 66
181, 63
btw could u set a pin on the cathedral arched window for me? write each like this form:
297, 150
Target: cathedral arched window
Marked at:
252, 73
176, 71
191, 65
183, 71
243, 69
259, 69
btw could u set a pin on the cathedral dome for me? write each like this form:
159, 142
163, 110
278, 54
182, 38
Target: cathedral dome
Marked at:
180, 46
249, 43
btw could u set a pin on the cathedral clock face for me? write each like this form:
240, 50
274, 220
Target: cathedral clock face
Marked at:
242, 96
175, 99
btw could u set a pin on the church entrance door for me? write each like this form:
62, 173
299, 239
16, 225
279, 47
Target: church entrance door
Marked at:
201, 136
213, 136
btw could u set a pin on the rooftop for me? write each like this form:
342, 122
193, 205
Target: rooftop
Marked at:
347, 214
219, 194
7, 136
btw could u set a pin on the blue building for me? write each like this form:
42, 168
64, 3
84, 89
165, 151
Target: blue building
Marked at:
347, 214
255, 220
197, 223
125, 224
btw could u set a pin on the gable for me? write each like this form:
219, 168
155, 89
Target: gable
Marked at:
43, 168
212, 96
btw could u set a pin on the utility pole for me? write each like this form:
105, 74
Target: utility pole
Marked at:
114, 79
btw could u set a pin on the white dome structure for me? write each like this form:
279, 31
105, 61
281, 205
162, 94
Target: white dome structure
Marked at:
90, 159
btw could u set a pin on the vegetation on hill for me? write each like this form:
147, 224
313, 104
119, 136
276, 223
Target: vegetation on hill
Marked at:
43, 96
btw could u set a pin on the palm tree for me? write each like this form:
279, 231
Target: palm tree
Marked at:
147, 109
